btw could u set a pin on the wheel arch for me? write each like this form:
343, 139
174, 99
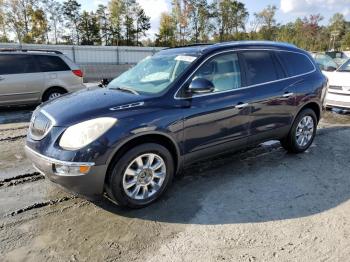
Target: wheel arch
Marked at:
50, 88
314, 106
151, 137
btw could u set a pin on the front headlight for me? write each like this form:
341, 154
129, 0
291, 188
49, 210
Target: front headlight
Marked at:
82, 134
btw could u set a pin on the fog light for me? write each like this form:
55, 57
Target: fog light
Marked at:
70, 170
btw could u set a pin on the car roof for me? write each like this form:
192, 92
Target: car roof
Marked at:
204, 48
321, 53
30, 52
35, 54
55, 53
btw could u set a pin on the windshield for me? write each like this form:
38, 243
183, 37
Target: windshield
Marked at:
345, 67
153, 74
324, 62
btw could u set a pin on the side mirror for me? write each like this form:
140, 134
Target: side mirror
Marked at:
330, 68
201, 86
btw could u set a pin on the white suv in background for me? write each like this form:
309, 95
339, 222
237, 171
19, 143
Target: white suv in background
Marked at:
34, 76
338, 95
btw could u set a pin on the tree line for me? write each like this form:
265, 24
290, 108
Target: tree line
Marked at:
120, 22
124, 22
202, 21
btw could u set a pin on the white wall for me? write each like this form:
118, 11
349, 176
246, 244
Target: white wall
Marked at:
94, 54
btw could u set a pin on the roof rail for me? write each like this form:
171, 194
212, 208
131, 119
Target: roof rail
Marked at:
189, 45
249, 42
30, 50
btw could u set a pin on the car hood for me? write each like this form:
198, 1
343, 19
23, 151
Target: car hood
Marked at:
88, 104
338, 78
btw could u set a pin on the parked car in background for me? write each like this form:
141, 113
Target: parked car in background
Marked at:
338, 95
177, 107
325, 62
338, 57
34, 76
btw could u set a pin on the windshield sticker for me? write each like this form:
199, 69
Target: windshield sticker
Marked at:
185, 58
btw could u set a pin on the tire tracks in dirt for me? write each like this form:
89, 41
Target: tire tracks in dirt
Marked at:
12, 138
21, 179
41, 204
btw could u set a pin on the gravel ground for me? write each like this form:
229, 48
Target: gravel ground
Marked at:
258, 205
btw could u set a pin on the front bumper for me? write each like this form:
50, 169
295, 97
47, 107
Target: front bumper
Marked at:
89, 184
338, 100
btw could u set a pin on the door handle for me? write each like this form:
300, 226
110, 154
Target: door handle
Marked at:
240, 106
286, 95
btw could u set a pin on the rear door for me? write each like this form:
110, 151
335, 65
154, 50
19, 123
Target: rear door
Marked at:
20, 79
273, 104
57, 72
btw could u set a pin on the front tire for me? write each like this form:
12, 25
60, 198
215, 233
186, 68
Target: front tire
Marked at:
302, 133
141, 176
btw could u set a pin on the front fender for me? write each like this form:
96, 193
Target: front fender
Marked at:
148, 132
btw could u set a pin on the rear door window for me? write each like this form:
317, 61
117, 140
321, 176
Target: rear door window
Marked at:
295, 63
260, 67
17, 64
51, 63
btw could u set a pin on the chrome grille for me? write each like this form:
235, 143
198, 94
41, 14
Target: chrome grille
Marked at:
40, 125
336, 87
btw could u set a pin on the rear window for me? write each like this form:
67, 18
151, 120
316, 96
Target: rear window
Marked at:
295, 63
261, 67
51, 63
17, 64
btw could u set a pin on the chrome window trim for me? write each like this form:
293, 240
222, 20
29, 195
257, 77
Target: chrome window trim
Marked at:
52, 123
246, 87
59, 162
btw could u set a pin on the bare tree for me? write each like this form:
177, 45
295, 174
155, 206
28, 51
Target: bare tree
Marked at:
54, 10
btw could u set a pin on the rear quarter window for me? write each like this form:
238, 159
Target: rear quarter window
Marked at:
295, 63
51, 63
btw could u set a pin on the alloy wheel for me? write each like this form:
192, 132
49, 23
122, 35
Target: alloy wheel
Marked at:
144, 176
305, 131
54, 95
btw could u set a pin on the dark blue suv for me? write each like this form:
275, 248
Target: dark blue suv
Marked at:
176, 107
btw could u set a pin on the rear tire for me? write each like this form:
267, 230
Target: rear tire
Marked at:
53, 93
136, 180
302, 133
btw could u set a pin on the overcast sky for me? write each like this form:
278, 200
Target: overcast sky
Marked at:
288, 10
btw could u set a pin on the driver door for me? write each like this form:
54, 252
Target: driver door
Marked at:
217, 121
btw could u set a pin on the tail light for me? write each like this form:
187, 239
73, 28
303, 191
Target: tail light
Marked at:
78, 73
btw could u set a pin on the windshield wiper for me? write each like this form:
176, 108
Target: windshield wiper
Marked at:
126, 89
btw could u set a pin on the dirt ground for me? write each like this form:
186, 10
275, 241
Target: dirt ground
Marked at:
258, 205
